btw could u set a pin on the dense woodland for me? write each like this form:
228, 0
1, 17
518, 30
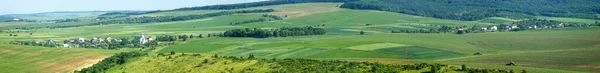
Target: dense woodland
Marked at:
281, 32
479, 9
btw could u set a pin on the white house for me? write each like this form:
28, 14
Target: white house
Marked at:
493, 28
50, 42
108, 39
560, 25
66, 45
483, 28
81, 39
16, 19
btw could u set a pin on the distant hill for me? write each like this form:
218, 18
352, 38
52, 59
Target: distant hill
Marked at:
450, 9
480, 9
5, 18
58, 15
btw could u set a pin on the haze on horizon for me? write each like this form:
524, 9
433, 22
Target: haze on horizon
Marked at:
39, 6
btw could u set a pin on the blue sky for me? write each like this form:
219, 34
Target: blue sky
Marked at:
38, 6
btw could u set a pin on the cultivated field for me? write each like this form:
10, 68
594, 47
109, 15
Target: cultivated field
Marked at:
30, 59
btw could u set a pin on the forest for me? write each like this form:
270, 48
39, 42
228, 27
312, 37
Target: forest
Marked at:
478, 9
281, 32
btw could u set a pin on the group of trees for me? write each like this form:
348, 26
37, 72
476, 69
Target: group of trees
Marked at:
107, 63
281, 32
476, 10
272, 16
542, 24
416, 31
267, 17
443, 28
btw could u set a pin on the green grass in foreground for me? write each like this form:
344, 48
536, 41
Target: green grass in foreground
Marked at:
33, 59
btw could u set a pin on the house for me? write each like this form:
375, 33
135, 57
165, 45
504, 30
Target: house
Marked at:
50, 42
483, 28
459, 29
66, 45
16, 19
118, 40
81, 39
94, 39
72, 40
493, 28
561, 25
108, 39
514, 26
150, 39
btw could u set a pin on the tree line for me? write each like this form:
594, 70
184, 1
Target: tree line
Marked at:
475, 10
266, 17
115, 60
281, 32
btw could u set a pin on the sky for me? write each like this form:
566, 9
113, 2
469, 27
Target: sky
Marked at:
39, 6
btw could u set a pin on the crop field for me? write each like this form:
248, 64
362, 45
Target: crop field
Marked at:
576, 20
15, 58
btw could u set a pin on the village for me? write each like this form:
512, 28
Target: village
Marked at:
102, 43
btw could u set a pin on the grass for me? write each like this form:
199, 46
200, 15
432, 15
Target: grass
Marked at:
573, 20
15, 58
417, 52
498, 20
370, 47
179, 63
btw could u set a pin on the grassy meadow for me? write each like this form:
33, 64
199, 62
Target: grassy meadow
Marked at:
33, 59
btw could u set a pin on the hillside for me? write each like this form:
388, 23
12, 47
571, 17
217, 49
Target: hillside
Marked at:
60, 15
202, 63
356, 40
476, 10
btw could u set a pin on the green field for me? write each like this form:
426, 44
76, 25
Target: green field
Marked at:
29, 59
541, 51
574, 20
